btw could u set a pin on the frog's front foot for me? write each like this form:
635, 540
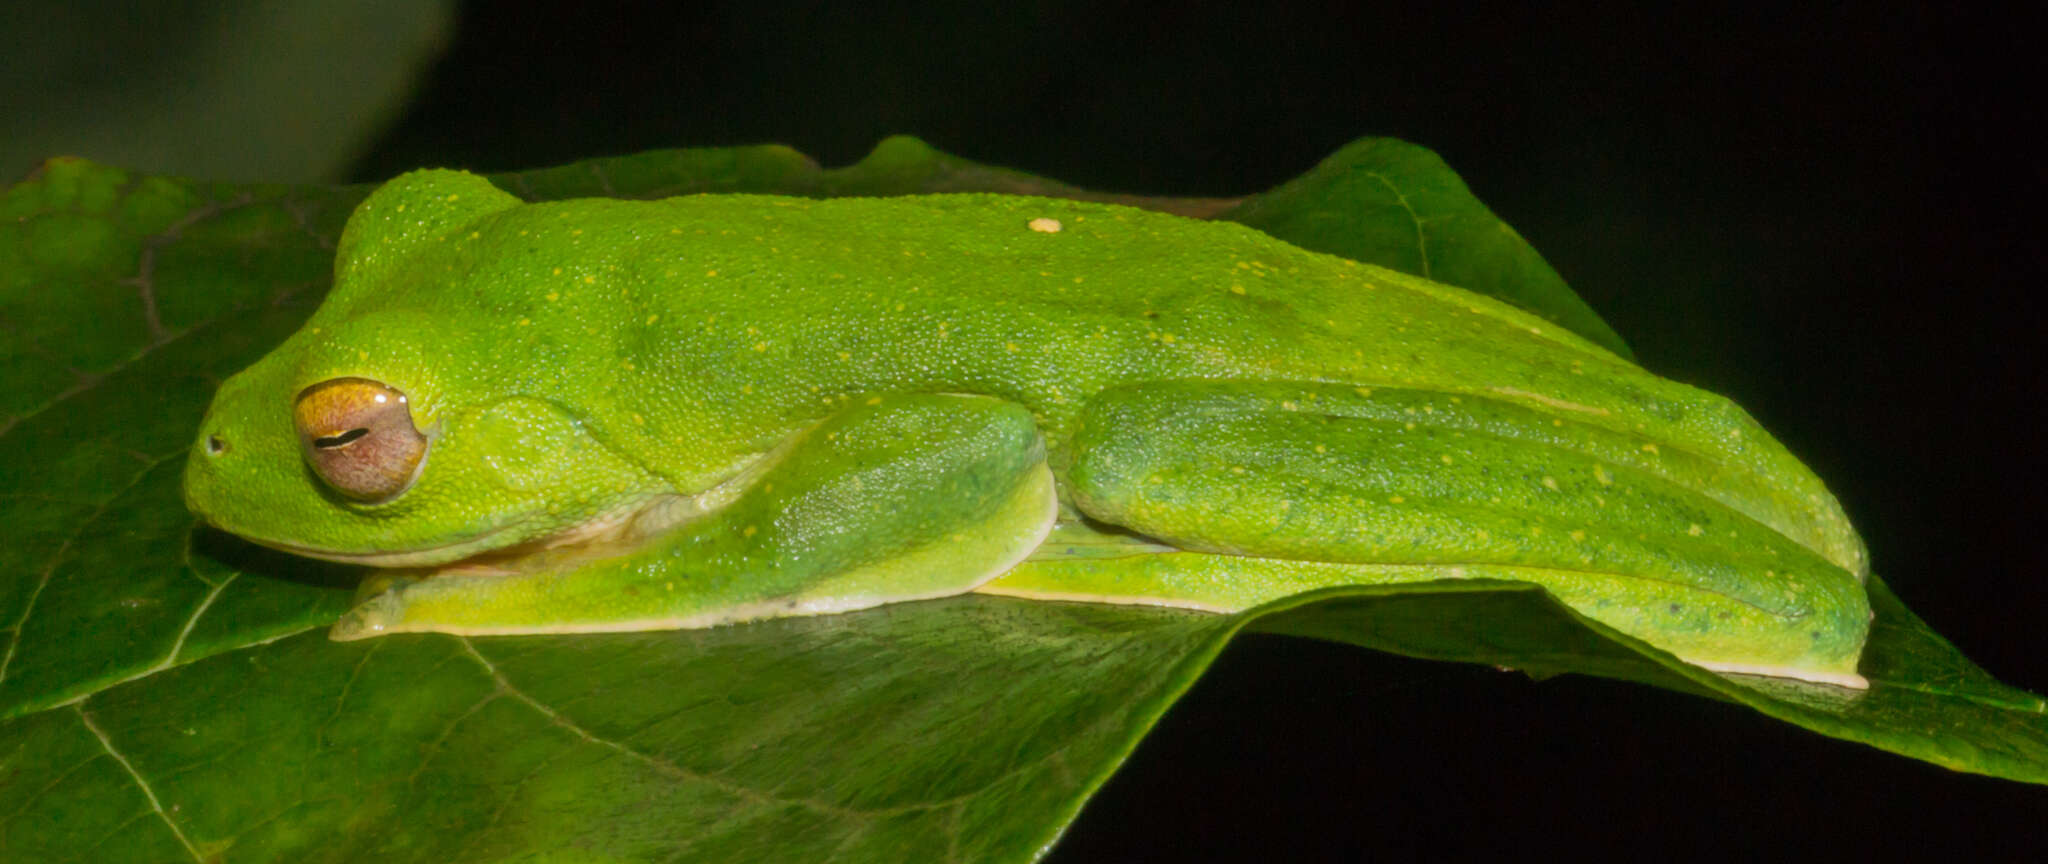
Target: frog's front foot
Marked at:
372, 616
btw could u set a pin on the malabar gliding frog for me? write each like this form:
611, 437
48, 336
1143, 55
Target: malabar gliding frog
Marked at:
599, 414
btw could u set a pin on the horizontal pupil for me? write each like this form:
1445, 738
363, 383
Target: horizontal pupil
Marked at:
340, 440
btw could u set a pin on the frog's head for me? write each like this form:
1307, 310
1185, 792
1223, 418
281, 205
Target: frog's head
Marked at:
396, 458
383, 432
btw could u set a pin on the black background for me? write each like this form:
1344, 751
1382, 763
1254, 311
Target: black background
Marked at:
1830, 216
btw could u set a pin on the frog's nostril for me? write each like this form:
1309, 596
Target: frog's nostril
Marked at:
216, 445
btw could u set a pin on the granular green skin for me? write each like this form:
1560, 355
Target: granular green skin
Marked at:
1237, 418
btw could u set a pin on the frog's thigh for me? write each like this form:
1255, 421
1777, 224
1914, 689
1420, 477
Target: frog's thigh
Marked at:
902, 498
1337, 485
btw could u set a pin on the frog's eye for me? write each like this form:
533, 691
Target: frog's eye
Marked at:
358, 436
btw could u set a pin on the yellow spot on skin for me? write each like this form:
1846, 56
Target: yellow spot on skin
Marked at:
1695, 530
362, 355
751, 531
710, 272
525, 322
1396, 500
1483, 536
1010, 347
653, 318
1237, 289
1237, 469
1550, 483
554, 295
1649, 448
1321, 449
639, 420
476, 235
1578, 535
760, 346
590, 280
845, 356
1045, 226
874, 400
1290, 406
746, 388
1446, 457
1600, 474
1408, 426
626, 363
1365, 391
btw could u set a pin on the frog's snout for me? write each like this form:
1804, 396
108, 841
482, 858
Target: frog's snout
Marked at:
206, 469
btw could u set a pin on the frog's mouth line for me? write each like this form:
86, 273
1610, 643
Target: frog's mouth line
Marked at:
617, 531
614, 532
430, 556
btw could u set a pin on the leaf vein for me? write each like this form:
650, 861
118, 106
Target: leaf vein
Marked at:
660, 766
80, 698
159, 336
30, 798
57, 557
154, 804
178, 647
1421, 238
341, 700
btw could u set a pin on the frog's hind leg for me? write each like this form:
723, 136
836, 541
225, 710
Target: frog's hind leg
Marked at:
1276, 487
901, 498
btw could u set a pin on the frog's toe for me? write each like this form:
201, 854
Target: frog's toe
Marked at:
373, 616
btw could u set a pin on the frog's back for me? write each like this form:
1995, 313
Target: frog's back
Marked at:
759, 314
1046, 299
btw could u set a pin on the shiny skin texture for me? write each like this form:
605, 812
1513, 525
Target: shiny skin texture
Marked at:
1221, 419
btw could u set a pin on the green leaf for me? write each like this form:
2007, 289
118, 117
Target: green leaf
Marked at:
170, 695
792, 735
1399, 206
1925, 699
